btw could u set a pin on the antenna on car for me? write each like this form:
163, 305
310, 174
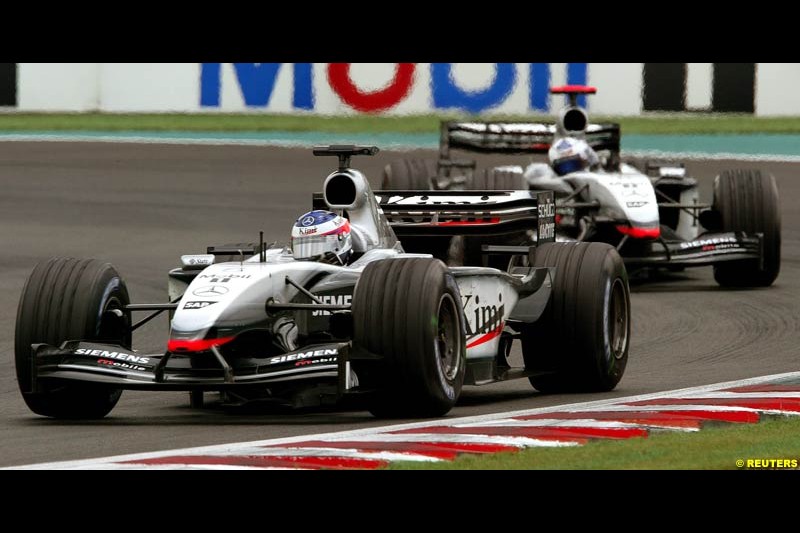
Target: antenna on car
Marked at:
344, 152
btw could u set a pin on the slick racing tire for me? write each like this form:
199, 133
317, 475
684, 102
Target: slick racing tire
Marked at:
409, 175
498, 179
70, 299
408, 311
747, 200
580, 343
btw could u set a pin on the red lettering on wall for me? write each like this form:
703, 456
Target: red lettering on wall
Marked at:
371, 102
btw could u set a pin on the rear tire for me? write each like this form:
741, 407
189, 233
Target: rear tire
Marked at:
747, 200
493, 179
583, 336
496, 179
409, 175
70, 299
409, 312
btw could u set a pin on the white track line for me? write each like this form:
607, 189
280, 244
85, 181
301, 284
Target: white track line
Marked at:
566, 422
455, 438
727, 395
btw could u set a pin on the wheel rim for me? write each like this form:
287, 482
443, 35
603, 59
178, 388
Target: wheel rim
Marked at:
448, 345
618, 320
113, 326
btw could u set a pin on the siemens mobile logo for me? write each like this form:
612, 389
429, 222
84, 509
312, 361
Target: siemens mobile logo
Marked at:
707, 242
119, 356
330, 299
303, 355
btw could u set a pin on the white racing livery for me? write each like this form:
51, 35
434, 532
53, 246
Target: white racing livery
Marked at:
652, 215
402, 331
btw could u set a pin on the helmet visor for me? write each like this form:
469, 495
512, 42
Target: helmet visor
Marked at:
316, 246
568, 164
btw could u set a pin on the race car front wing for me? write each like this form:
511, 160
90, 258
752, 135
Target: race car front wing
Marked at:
123, 368
707, 249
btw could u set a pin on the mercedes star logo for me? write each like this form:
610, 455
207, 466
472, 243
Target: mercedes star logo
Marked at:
307, 221
211, 290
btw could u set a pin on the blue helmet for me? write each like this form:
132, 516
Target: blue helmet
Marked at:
569, 154
322, 236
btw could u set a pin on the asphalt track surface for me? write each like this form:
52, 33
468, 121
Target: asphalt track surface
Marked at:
142, 206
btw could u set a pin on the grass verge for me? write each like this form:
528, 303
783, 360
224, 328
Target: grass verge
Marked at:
656, 124
713, 448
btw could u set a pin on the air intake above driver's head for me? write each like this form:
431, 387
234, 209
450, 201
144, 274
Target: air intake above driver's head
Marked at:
573, 119
340, 190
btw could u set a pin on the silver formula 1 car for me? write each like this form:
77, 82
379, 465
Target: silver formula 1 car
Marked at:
404, 331
653, 215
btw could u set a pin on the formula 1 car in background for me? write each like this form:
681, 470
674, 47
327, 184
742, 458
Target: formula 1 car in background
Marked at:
653, 216
403, 330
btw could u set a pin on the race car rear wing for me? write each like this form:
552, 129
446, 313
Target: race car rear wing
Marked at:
517, 137
452, 213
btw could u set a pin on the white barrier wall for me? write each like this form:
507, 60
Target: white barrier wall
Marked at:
408, 88
778, 93
58, 86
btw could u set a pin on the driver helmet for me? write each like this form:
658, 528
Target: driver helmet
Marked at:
569, 154
322, 236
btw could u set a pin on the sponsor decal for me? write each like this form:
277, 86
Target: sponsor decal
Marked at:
629, 188
119, 356
307, 221
703, 243
712, 247
636, 204
330, 299
211, 290
371, 101
546, 210
195, 260
484, 318
306, 362
308, 231
197, 305
547, 231
255, 84
299, 356
426, 200
224, 278
119, 364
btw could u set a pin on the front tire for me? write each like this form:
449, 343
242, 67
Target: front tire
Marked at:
70, 299
747, 200
409, 312
581, 341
